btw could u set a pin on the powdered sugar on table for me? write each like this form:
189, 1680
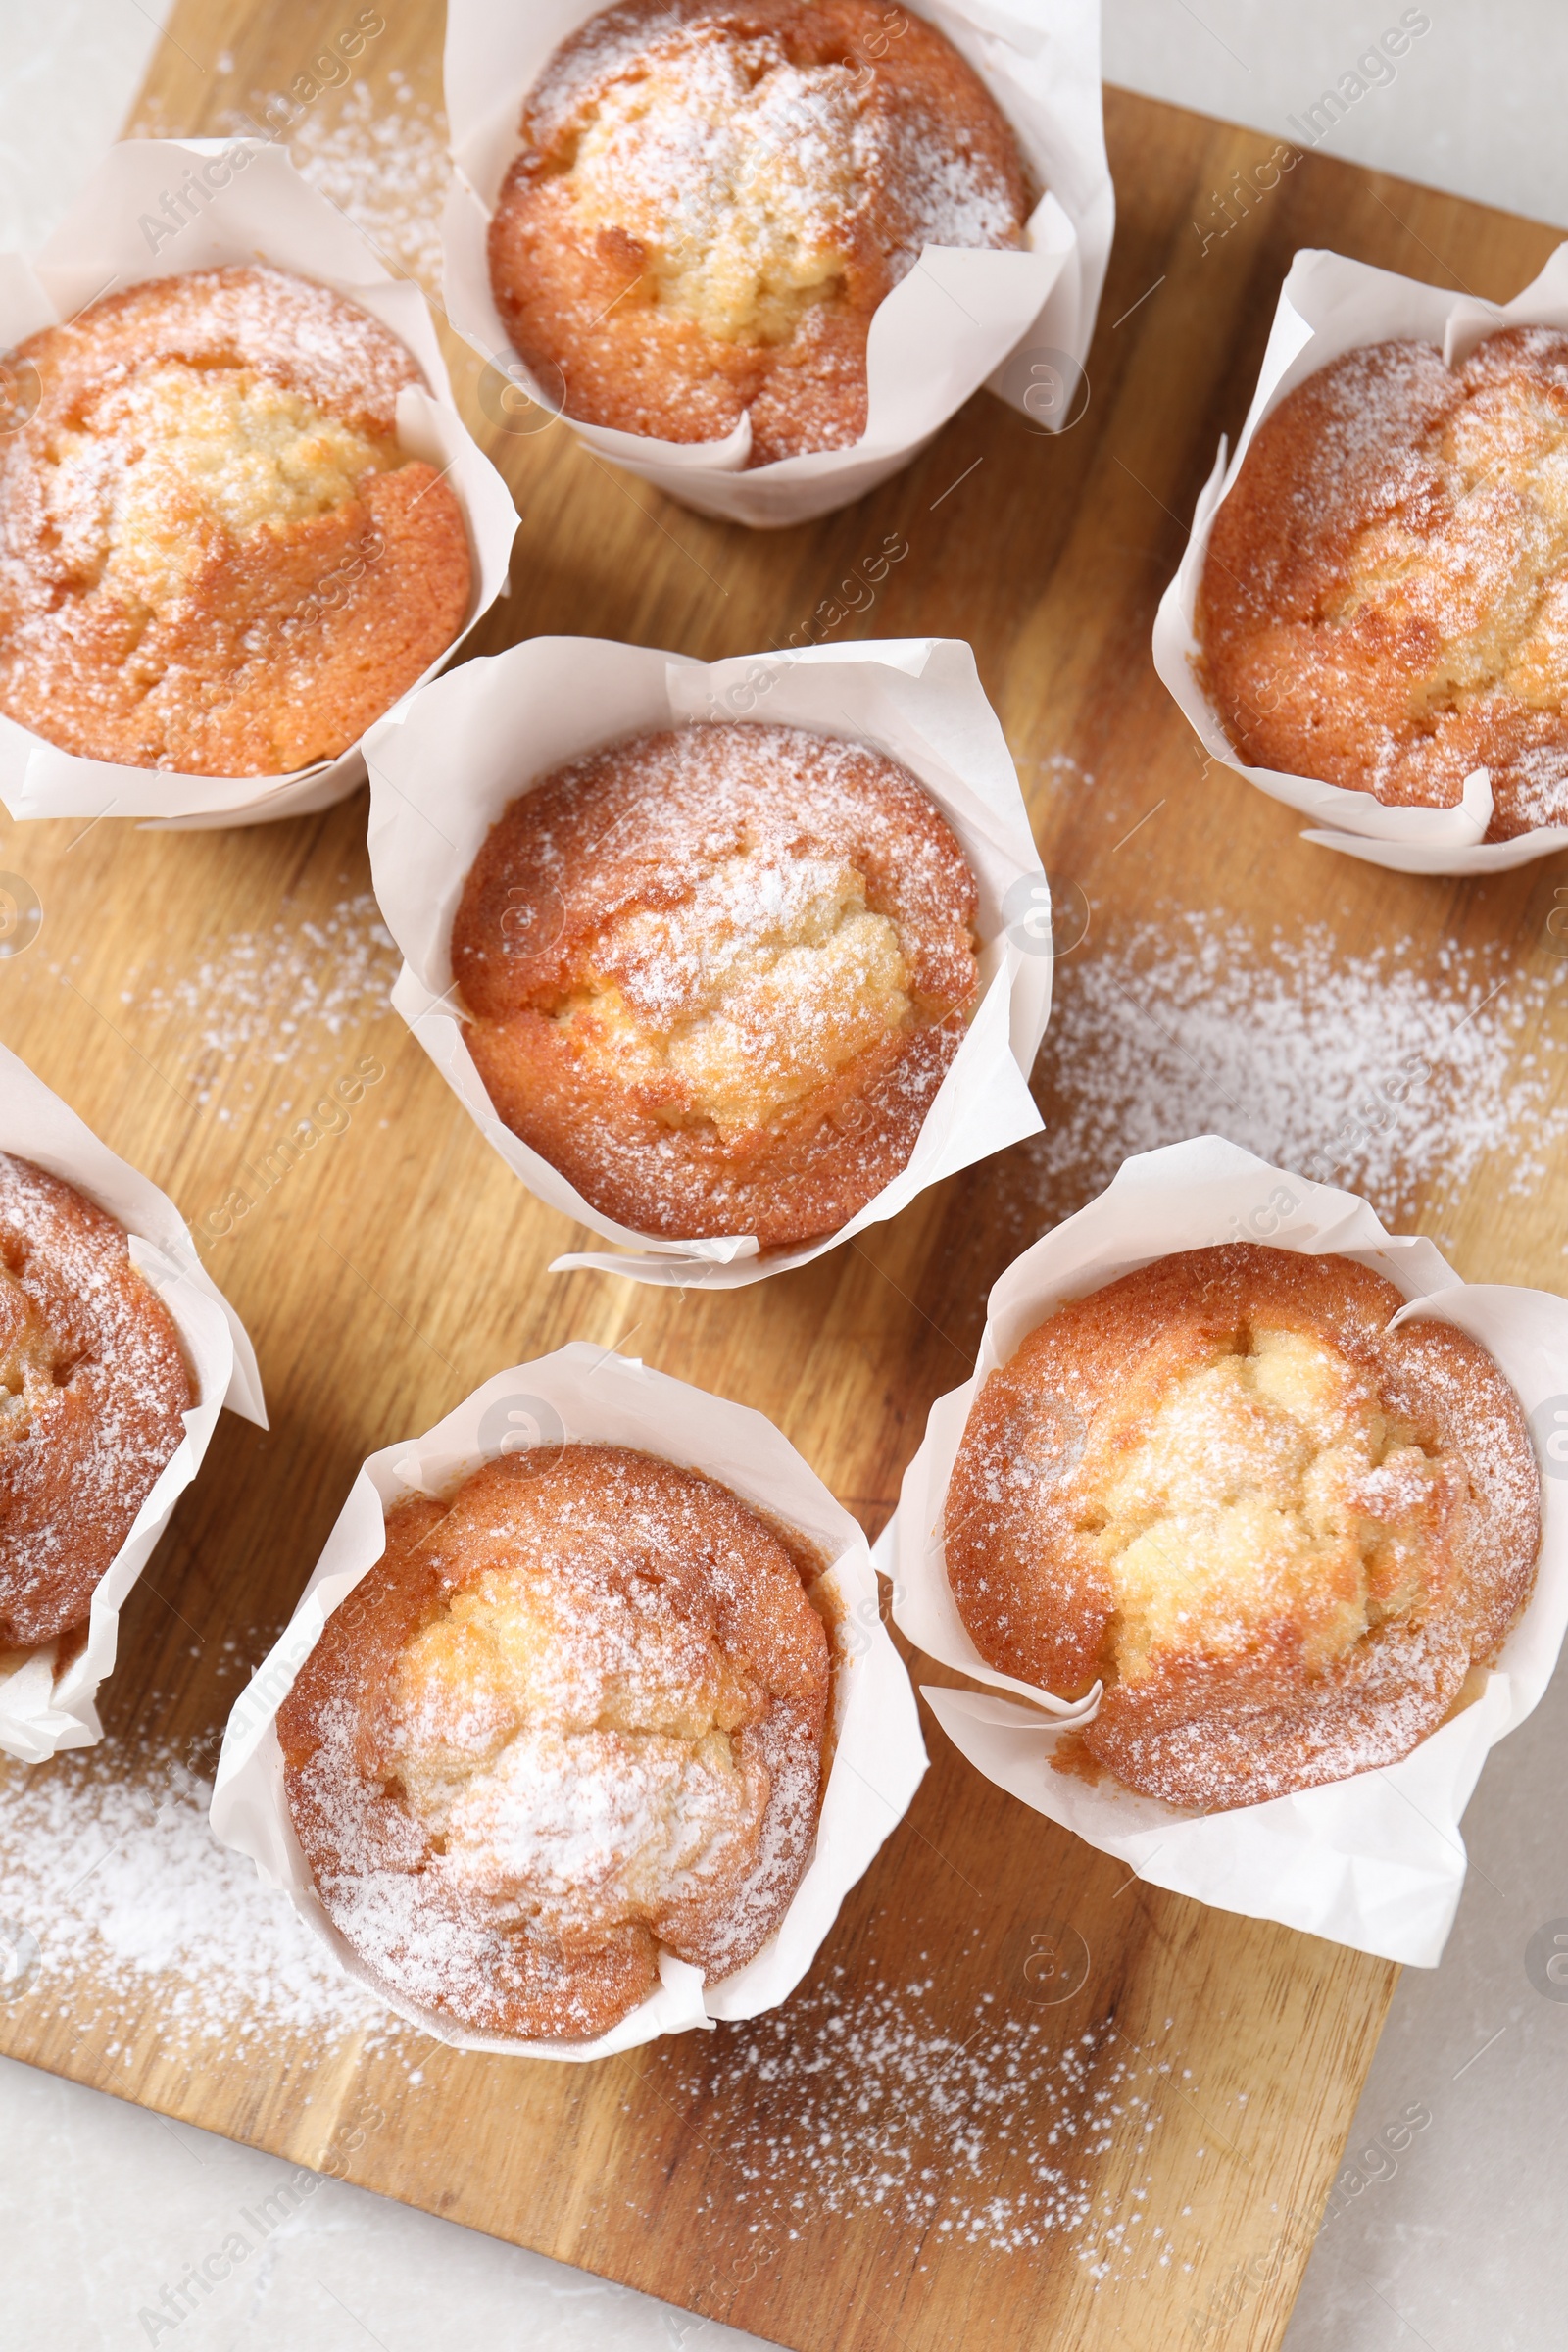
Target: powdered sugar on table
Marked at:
386, 165
975, 2123
146, 1926
1392, 1077
265, 996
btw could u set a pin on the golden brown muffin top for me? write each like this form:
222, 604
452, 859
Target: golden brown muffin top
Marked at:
758, 152
93, 1391
746, 169
692, 947
1279, 1532
738, 911
576, 1713
1385, 597
205, 505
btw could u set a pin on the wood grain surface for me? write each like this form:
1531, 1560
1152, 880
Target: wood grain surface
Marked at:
400, 1265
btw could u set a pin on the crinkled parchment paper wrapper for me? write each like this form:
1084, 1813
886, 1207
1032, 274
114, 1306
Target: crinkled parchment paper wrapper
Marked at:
954, 322
1376, 1861
590, 1395
1329, 306
43, 1711
264, 213
444, 768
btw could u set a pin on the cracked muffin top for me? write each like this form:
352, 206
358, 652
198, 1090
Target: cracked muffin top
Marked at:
573, 1716
93, 1393
1279, 1532
717, 975
1385, 596
713, 197
214, 557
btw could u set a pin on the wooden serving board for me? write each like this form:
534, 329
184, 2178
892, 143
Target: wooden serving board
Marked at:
400, 1265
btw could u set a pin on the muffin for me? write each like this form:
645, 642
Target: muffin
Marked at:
716, 976
1385, 599
214, 555
1278, 1533
713, 196
93, 1391
573, 1716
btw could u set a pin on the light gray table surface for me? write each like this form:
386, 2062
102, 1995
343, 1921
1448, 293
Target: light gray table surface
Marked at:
1463, 2242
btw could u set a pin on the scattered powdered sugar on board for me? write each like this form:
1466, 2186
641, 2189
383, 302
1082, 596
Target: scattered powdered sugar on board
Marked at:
1368, 1071
261, 995
385, 166
978, 2128
1057, 768
981, 2126
144, 1922
709, 146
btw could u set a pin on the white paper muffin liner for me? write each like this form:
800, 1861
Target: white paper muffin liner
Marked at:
1328, 306
1020, 321
43, 1711
444, 767
1376, 1861
589, 1395
117, 235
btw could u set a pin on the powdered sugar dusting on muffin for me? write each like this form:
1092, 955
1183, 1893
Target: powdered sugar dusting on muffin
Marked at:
773, 974
734, 960
93, 1390
711, 201
1384, 601
571, 1746
601, 1733
173, 454
288, 328
214, 555
746, 177
1278, 1546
